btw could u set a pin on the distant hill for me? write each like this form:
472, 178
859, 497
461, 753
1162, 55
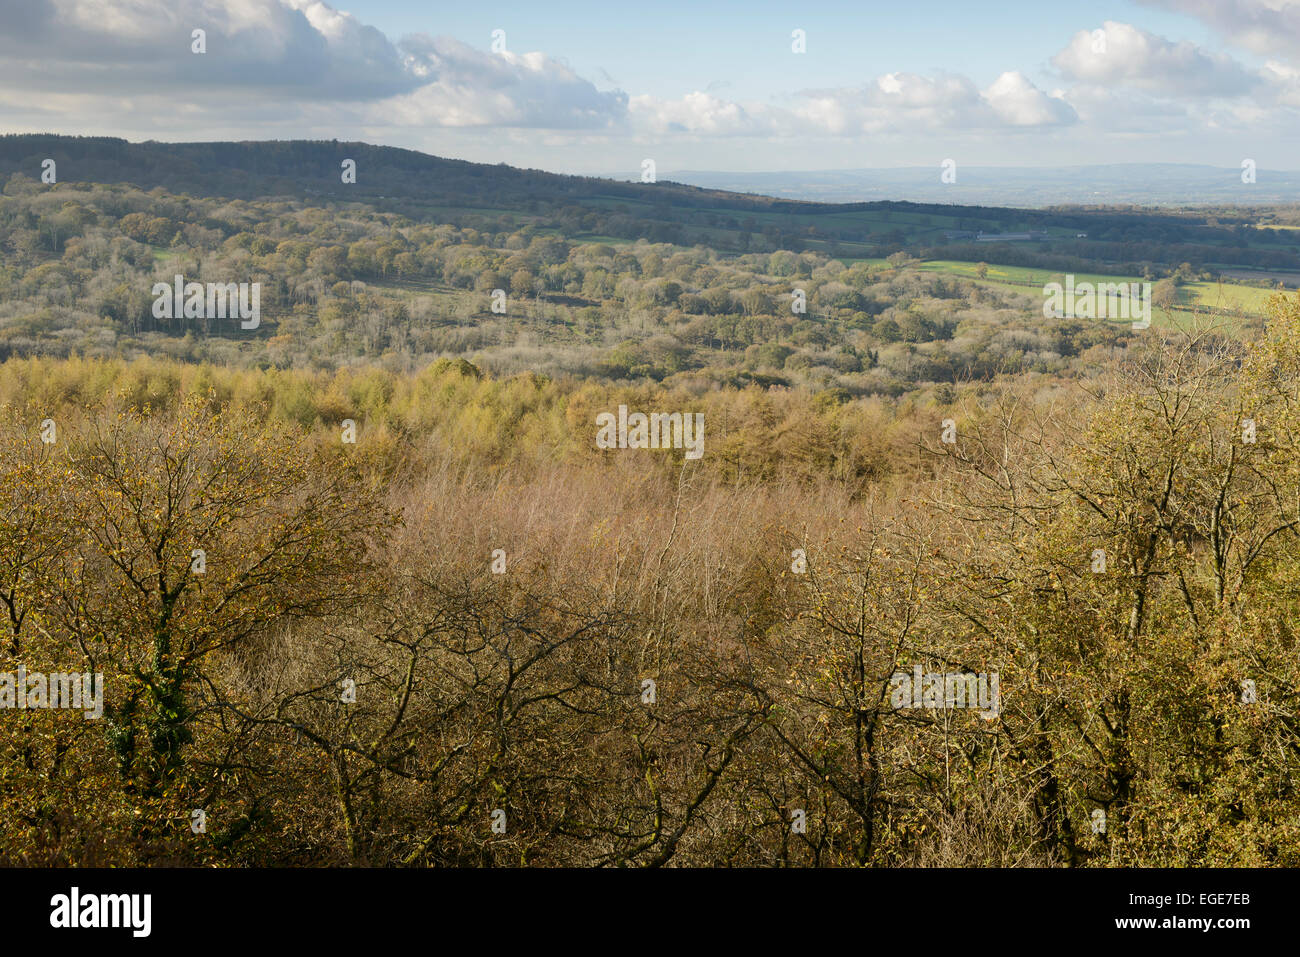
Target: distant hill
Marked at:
1147, 184
313, 167
434, 189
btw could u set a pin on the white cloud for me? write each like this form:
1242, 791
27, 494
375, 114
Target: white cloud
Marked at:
1283, 82
463, 86
1120, 54
1019, 103
892, 102
1135, 114
701, 113
140, 46
1262, 26
907, 101
300, 53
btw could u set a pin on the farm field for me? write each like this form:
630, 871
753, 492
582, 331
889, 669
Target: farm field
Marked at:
1194, 298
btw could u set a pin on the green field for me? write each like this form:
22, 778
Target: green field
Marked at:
1226, 296
1194, 299
1016, 275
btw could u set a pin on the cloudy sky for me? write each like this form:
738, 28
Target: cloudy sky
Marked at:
597, 87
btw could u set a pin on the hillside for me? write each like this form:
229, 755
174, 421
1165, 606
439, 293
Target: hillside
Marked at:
1145, 184
430, 188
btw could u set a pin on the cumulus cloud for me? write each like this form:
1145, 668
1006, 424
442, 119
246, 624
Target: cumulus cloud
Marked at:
1119, 54
1283, 82
299, 53
701, 113
1017, 102
463, 86
1262, 26
893, 102
296, 48
908, 101
1134, 113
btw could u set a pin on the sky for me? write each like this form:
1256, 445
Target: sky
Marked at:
586, 87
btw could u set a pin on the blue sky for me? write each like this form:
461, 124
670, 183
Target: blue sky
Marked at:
598, 87
663, 47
